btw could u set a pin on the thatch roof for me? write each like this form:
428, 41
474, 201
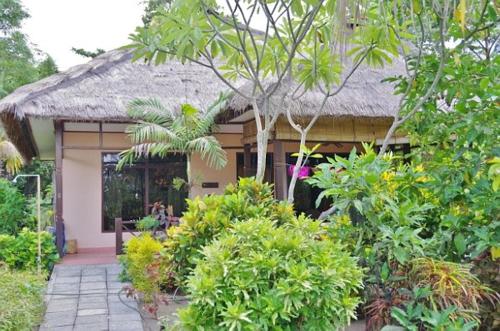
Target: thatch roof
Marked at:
364, 95
102, 89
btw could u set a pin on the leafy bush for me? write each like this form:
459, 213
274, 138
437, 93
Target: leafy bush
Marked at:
208, 216
148, 223
13, 216
21, 251
140, 252
258, 276
393, 215
21, 306
451, 284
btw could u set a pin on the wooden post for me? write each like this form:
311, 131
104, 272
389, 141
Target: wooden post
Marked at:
58, 125
280, 178
247, 160
119, 236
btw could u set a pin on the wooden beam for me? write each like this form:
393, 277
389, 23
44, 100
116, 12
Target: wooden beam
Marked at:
247, 160
280, 179
118, 236
58, 125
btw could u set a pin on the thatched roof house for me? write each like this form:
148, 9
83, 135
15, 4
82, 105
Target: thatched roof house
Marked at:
78, 118
101, 89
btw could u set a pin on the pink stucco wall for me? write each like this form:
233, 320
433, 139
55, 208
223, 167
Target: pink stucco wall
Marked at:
82, 184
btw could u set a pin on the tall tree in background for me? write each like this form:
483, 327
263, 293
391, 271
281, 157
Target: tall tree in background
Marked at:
18, 66
17, 62
87, 53
152, 8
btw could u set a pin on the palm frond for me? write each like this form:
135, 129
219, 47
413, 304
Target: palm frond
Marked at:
139, 151
209, 148
10, 156
143, 132
207, 121
150, 110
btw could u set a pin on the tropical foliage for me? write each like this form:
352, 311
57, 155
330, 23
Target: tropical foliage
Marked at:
13, 209
140, 252
21, 251
392, 216
206, 218
160, 131
22, 305
259, 275
9, 156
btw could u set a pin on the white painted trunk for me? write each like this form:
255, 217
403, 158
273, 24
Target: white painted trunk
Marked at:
262, 139
296, 170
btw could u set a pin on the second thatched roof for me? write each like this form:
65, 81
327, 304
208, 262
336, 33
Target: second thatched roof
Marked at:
102, 89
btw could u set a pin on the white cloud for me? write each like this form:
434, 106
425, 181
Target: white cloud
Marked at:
57, 25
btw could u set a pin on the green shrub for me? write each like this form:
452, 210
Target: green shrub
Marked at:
21, 251
208, 216
148, 223
258, 276
21, 303
13, 216
139, 254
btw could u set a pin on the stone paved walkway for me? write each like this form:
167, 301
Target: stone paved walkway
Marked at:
86, 297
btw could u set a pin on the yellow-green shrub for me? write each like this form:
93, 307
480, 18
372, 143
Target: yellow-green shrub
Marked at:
140, 252
209, 216
258, 276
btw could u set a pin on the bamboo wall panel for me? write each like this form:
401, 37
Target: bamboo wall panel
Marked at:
337, 129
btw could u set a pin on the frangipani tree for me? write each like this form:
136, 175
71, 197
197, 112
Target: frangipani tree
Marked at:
160, 131
296, 42
9, 156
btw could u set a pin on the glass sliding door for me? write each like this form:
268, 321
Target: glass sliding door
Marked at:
131, 192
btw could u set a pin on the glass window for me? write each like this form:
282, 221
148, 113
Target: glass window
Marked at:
131, 192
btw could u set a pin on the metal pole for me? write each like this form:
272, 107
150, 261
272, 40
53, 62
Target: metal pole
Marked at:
39, 222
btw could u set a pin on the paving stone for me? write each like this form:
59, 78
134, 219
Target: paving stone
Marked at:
89, 312
119, 308
93, 291
93, 286
125, 326
93, 271
92, 327
91, 319
95, 278
88, 302
113, 269
68, 280
68, 273
62, 305
88, 298
122, 299
56, 328
58, 319
124, 317
115, 285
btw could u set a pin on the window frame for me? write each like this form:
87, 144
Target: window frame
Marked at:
146, 165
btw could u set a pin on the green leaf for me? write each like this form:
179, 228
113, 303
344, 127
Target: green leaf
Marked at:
460, 243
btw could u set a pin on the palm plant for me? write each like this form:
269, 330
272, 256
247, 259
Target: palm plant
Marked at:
9, 156
159, 131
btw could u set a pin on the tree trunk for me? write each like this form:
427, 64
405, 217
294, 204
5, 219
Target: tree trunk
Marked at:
262, 139
296, 170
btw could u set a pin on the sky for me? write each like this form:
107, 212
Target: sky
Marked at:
55, 26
